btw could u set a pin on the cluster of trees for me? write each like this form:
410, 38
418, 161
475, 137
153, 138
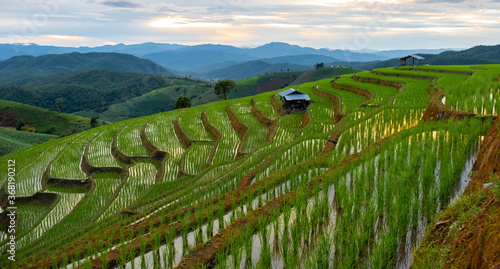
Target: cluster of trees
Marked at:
319, 65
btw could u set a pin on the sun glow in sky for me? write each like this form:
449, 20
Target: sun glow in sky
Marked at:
335, 24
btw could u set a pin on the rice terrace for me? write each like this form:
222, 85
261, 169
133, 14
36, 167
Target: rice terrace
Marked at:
385, 169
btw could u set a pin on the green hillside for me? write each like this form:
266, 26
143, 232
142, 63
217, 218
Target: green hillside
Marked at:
12, 140
41, 120
93, 90
160, 100
20, 68
353, 181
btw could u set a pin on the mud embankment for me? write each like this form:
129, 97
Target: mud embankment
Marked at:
38, 198
335, 100
488, 159
239, 127
437, 111
89, 168
156, 153
442, 71
272, 125
400, 87
331, 143
307, 118
356, 90
401, 75
277, 107
183, 137
214, 132
117, 153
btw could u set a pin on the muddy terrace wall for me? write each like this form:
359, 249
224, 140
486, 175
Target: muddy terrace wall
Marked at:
239, 127
272, 125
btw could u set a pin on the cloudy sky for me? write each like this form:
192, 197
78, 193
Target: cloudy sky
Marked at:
342, 24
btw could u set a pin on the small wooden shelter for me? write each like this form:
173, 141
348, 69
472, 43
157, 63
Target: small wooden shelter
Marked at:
413, 57
294, 100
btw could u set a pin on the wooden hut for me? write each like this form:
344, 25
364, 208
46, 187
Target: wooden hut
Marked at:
413, 57
294, 100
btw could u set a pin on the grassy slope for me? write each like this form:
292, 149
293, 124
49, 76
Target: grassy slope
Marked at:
12, 140
45, 121
159, 100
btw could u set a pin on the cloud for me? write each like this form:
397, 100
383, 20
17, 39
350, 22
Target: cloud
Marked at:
121, 4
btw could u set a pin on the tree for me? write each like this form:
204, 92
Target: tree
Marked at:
319, 65
223, 87
93, 122
182, 102
59, 103
20, 124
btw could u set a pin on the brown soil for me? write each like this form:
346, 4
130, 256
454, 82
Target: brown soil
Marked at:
437, 111
214, 132
181, 134
117, 153
272, 125
378, 73
89, 168
488, 159
277, 107
157, 154
307, 118
37, 198
331, 143
443, 71
239, 127
211, 129
7, 119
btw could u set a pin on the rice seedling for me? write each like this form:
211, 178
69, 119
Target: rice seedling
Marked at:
160, 131
129, 138
190, 120
141, 178
256, 136
88, 209
99, 152
226, 148
28, 179
197, 157
64, 206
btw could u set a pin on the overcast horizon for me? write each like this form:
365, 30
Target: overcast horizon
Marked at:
341, 24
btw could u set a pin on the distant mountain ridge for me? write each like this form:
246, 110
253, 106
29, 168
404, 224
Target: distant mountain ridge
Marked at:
191, 60
475, 55
70, 62
10, 50
250, 69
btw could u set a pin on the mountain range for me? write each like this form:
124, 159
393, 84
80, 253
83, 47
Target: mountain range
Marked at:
209, 61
